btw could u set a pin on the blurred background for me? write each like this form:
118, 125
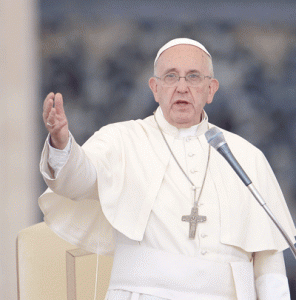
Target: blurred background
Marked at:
99, 55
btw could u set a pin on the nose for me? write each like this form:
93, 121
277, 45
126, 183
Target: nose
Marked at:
182, 86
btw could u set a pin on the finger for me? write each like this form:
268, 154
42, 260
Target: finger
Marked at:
59, 104
47, 105
47, 109
51, 120
48, 97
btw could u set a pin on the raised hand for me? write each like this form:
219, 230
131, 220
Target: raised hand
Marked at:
55, 120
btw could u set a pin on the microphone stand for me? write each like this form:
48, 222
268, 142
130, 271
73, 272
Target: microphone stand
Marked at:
216, 139
261, 201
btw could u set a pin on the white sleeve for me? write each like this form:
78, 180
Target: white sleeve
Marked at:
270, 276
58, 158
272, 287
58, 166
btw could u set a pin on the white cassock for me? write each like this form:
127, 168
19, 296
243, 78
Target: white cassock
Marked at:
130, 195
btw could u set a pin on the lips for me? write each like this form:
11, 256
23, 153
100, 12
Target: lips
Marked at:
181, 102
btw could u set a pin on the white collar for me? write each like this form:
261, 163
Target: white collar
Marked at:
195, 130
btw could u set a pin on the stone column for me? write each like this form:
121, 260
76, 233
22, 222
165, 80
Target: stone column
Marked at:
18, 131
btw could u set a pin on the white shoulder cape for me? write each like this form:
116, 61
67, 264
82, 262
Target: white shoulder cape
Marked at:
131, 159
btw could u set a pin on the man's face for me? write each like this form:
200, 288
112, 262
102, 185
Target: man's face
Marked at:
182, 104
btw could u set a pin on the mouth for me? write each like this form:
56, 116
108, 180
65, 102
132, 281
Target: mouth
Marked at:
182, 102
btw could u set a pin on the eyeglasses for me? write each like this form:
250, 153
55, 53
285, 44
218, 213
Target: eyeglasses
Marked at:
192, 79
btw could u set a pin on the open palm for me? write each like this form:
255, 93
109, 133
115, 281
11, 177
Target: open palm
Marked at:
55, 120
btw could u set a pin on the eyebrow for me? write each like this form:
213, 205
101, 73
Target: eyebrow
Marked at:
175, 70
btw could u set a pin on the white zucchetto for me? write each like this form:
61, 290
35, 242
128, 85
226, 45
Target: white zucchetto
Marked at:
181, 41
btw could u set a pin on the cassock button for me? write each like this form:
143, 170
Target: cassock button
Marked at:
193, 171
203, 235
188, 139
204, 252
190, 154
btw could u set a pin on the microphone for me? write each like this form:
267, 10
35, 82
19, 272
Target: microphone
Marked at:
216, 139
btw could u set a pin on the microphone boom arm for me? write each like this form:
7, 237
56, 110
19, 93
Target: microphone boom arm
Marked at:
216, 139
261, 201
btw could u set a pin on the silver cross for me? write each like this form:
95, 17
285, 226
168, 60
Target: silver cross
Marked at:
193, 219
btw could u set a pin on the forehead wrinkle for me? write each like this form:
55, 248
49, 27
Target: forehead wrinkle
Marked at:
180, 52
177, 71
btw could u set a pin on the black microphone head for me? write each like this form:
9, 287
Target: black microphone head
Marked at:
215, 137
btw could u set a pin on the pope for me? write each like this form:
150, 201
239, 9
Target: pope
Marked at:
175, 216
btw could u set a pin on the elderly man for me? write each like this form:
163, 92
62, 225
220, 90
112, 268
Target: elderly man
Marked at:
180, 223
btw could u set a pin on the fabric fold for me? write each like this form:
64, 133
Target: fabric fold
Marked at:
244, 280
273, 287
131, 160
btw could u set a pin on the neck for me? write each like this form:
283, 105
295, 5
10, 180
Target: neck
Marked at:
183, 125
195, 130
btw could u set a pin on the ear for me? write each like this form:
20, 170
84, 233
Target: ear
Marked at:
213, 88
153, 86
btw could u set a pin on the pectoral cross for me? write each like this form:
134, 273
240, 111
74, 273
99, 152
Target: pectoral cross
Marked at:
193, 219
